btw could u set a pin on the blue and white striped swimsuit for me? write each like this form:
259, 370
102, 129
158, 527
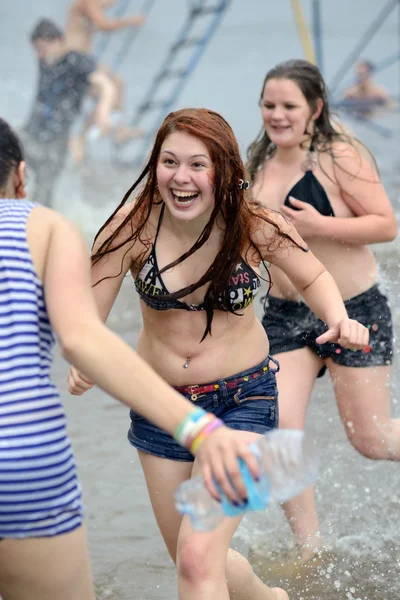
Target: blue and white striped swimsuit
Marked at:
39, 491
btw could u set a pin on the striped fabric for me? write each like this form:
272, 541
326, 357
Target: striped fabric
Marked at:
39, 491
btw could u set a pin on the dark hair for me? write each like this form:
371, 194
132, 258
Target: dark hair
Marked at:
232, 202
46, 29
311, 83
11, 152
368, 65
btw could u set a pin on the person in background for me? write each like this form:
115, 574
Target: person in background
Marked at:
366, 96
65, 76
305, 165
45, 290
84, 19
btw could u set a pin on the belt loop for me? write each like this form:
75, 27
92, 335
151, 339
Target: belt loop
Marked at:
276, 363
193, 396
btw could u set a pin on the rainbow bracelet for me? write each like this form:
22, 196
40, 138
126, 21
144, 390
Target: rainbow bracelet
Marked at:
197, 428
186, 426
199, 439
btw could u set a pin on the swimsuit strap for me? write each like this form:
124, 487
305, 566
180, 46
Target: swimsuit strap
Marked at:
160, 218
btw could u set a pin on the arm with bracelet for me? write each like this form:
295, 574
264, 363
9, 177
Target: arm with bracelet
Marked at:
109, 362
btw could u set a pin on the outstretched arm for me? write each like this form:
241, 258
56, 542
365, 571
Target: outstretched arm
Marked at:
312, 281
94, 11
88, 344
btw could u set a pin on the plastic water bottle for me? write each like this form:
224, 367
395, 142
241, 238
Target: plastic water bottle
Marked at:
288, 465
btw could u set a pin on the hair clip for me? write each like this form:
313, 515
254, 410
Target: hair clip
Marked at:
244, 184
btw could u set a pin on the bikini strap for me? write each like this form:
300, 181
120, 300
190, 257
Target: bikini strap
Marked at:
160, 218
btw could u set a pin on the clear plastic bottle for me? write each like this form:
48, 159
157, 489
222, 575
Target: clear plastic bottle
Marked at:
288, 465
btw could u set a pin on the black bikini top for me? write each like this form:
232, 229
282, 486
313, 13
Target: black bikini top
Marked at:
244, 285
309, 190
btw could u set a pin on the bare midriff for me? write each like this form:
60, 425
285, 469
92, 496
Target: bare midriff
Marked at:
169, 338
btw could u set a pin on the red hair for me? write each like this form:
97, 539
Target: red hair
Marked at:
237, 210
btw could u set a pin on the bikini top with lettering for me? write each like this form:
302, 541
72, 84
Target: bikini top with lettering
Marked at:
244, 285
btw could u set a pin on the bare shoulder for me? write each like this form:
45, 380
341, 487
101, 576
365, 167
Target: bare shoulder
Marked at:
381, 91
271, 231
48, 230
116, 229
351, 92
83, 5
353, 159
128, 233
44, 221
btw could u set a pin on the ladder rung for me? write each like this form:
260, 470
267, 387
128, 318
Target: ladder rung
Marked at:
186, 43
206, 10
150, 106
188, 38
170, 74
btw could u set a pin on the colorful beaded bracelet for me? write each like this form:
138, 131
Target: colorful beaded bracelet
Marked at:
194, 428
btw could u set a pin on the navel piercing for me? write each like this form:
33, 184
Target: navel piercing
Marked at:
185, 366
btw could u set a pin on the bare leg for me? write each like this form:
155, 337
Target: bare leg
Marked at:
119, 90
296, 378
201, 557
363, 398
46, 568
122, 132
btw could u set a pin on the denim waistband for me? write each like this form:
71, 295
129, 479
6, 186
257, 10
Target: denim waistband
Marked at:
232, 381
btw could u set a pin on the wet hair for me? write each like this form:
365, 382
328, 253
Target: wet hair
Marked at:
311, 83
46, 29
231, 202
11, 152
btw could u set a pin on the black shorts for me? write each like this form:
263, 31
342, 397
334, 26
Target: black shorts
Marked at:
291, 325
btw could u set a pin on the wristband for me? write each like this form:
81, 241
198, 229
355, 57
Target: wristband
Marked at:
186, 426
204, 433
197, 428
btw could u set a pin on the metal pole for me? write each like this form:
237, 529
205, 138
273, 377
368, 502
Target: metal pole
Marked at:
130, 38
105, 39
365, 39
317, 30
304, 33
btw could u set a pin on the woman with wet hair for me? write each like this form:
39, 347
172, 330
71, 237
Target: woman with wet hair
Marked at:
304, 165
194, 242
44, 289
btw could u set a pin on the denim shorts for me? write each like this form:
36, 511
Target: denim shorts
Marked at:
250, 405
291, 325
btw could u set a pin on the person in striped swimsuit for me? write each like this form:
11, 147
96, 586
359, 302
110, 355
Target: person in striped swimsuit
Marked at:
45, 290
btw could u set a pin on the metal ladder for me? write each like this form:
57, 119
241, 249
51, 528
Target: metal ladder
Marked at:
159, 104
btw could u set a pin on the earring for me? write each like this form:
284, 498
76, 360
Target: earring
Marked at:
244, 184
311, 161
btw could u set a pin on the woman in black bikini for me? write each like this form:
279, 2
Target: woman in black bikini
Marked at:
322, 181
194, 242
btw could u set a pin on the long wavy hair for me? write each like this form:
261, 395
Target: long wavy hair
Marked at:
231, 202
326, 131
